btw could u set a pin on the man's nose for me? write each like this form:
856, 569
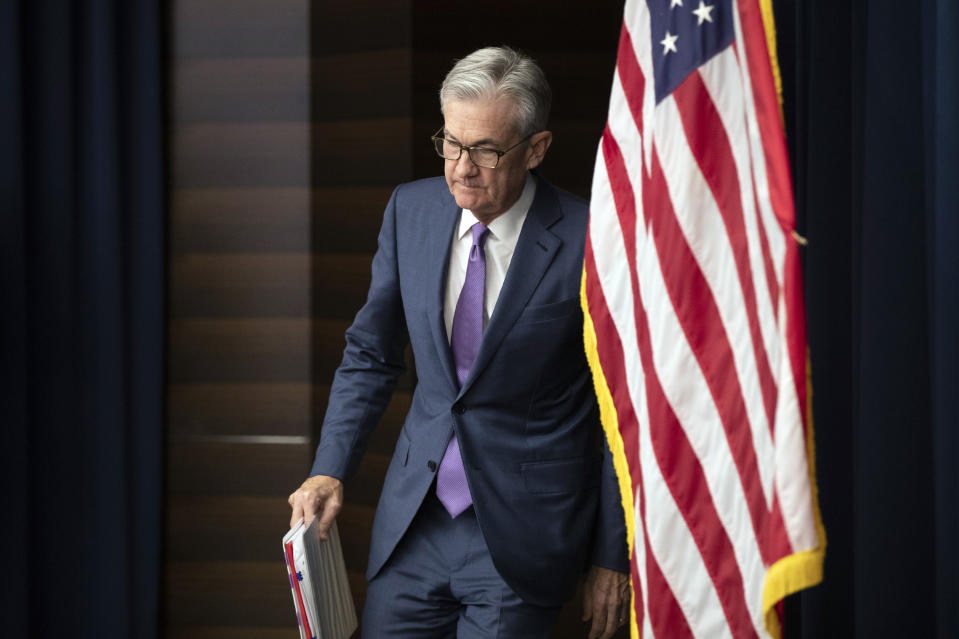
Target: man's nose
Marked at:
464, 165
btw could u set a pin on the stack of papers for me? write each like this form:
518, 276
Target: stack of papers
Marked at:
321, 592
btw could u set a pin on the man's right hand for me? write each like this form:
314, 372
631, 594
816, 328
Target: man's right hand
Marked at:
320, 495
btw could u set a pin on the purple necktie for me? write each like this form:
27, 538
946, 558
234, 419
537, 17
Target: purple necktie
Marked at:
451, 487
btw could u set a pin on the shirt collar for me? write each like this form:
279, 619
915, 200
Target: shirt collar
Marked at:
505, 227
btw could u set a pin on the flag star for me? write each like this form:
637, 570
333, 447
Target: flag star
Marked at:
669, 43
675, 3
703, 12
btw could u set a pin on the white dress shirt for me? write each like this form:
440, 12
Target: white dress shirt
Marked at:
500, 243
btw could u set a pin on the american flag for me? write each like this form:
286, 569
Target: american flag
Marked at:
695, 325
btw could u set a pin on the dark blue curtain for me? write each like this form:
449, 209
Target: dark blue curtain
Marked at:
943, 237
871, 92
82, 170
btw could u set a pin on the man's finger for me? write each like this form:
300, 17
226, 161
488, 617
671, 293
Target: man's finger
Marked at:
297, 512
309, 510
612, 620
330, 510
599, 619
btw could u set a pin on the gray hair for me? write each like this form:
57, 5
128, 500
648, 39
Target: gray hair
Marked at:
496, 72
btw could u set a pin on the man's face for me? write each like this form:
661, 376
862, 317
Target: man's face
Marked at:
490, 124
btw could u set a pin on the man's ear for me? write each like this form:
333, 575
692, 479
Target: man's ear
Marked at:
538, 145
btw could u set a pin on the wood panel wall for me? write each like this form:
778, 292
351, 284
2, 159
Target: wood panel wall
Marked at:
291, 122
241, 337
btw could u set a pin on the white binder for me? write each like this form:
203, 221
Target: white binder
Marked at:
321, 591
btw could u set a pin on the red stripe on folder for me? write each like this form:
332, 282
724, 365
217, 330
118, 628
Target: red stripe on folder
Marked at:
296, 586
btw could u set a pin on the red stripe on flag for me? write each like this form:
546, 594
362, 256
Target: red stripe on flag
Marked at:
697, 312
768, 114
631, 76
675, 456
772, 281
778, 177
796, 324
696, 308
665, 615
776, 538
607, 337
710, 146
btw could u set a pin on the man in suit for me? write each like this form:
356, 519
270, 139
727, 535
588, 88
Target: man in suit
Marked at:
501, 491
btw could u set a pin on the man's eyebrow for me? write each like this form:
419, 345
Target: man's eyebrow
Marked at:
483, 142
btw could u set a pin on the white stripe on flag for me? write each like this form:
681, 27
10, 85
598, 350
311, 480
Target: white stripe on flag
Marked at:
792, 470
688, 395
614, 281
702, 225
623, 127
637, 23
722, 81
669, 537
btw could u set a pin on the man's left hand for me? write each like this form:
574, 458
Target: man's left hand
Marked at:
605, 601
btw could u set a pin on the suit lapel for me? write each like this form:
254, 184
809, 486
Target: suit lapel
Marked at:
534, 252
441, 228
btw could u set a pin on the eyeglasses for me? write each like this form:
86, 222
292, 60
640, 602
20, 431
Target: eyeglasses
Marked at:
480, 156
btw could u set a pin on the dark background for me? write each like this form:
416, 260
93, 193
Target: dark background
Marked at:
138, 220
870, 89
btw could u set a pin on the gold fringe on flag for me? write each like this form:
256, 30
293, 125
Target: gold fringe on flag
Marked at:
607, 415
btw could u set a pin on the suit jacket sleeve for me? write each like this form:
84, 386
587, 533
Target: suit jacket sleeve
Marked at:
372, 362
610, 549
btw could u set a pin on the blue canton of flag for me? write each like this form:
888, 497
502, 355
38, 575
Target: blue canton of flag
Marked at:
684, 35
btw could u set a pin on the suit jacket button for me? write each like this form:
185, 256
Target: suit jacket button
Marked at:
458, 408
431, 465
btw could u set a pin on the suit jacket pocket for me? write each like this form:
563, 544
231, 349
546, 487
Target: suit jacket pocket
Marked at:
546, 312
402, 451
562, 475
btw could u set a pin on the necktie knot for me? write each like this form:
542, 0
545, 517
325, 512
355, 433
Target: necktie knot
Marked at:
479, 237
479, 234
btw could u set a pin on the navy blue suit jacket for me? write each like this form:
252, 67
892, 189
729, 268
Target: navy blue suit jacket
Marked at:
540, 473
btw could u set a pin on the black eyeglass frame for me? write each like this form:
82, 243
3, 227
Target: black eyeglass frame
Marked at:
469, 149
